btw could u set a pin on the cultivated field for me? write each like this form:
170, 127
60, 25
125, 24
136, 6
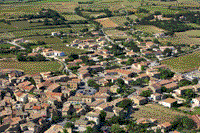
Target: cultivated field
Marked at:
33, 67
17, 9
162, 114
121, 19
187, 37
184, 63
107, 23
73, 17
5, 45
163, 10
43, 31
149, 28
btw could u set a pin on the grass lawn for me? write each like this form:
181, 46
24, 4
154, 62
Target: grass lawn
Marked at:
184, 63
32, 67
162, 114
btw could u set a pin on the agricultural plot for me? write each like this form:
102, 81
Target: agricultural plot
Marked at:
5, 45
18, 9
32, 67
161, 9
73, 17
39, 32
184, 63
121, 19
162, 114
7, 56
107, 23
187, 37
149, 28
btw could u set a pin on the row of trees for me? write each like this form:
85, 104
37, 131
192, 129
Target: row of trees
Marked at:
24, 57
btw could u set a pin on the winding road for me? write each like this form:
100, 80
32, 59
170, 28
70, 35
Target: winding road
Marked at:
15, 44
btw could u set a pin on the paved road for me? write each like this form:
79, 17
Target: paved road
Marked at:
13, 43
106, 36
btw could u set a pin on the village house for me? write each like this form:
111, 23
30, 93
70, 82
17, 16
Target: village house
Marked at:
172, 85
196, 119
93, 116
81, 124
156, 88
169, 102
96, 103
139, 65
21, 97
196, 102
181, 90
55, 33
146, 121
139, 100
165, 126
59, 53
156, 96
53, 88
105, 106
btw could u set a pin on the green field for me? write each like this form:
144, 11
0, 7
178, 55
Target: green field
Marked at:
184, 63
162, 114
33, 67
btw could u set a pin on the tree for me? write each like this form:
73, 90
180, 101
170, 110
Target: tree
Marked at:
21, 57
189, 94
102, 116
183, 123
125, 104
126, 23
167, 52
163, 89
155, 41
88, 130
115, 128
146, 93
195, 81
137, 20
157, 13
166, 73
69, 125
142, 68
92, 83
120, 82
184, 83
